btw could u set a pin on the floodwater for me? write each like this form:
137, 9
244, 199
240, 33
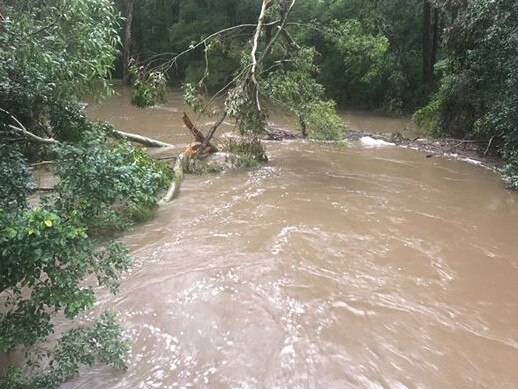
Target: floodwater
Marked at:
327, 268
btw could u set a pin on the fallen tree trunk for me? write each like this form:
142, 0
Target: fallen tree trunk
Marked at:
143, 140
20, 129
203, 145
174, 188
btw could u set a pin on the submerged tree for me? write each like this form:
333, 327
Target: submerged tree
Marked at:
269, 66
51, 54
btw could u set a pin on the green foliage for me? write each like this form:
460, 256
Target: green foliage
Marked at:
295, 89
105, 185
453, 108
370, 51
48, 254
193, 98
148, 87
47, 249
246, 152
51, 53
478, 95
216, 68
511, 170
241, 104
363, 53
16, 185
199, 167
80, 346
322, 122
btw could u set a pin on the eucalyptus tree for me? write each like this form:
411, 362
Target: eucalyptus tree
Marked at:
263, 62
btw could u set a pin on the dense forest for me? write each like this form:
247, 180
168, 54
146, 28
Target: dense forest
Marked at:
453, 64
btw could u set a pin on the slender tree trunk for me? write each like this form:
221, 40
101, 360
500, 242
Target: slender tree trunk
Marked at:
127, 41
427, 46
436, 34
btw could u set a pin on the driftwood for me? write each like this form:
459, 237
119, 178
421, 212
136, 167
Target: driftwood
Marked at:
461, 143
42, 163
43, 189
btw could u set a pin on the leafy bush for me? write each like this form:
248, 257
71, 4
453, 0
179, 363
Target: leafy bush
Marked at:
240, 105
298, 91
81, 346
48, 249
50, 254
16, 184
192, 97
51, 53
246, 152
478, 95
511, 170
105, 184
323, 123
148, 87
48, 61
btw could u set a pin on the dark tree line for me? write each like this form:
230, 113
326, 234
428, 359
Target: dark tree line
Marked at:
453, 58
367, 52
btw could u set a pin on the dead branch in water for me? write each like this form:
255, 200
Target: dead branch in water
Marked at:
210, 134
461, 143
193, 149
43, 189
20, 129
197, 133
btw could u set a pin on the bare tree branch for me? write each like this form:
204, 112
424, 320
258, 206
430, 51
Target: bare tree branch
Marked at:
280, 29
169, 64
22, 130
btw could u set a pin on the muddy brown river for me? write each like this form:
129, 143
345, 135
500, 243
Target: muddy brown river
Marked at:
358, 267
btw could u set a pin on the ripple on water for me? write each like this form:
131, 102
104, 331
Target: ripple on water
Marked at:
327, 268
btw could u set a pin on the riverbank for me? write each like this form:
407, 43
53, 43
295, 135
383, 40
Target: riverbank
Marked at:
459, 149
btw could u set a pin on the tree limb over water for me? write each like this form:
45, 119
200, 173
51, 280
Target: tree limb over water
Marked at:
22, 130
143, 140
